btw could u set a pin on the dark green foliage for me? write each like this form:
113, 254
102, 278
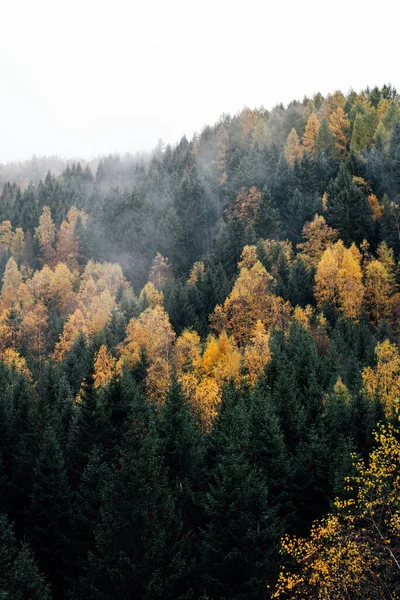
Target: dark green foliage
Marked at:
20, 577
300, 286
76, 364
87, 429
140, 550
241, 530
348, 208
49, 513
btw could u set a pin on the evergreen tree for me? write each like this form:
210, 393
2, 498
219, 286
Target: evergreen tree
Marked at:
140, 550
241, 528
49, 513
20, 577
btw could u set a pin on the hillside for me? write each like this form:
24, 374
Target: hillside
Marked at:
196, 348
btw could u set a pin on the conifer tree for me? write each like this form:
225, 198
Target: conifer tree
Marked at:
49, 513
293, 149
311, 135
340, 125
20, 577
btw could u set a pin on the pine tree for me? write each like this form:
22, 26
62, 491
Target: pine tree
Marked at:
324, 141
49, 513
140, 549
348, 208
20, 577
241, 532
86, 431
266, 222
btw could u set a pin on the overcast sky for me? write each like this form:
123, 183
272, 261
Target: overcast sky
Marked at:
84, 77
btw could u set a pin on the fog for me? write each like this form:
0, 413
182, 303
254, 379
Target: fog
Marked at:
88, 77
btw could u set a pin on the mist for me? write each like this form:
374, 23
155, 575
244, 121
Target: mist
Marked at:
84, 80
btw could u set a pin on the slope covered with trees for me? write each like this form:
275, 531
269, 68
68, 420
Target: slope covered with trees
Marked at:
195, 350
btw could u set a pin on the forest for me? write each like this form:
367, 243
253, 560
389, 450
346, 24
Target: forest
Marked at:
200, 366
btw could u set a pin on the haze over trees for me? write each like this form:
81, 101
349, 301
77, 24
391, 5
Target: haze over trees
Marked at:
199, 354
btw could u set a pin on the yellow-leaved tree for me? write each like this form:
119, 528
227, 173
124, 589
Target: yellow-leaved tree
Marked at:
257, 353
340, 126
355, 552
202, 390
317, 236
383, 381
251, 300
310, 135
151, 333
378, 291
293, 150
338, 280
46, 234
104, 367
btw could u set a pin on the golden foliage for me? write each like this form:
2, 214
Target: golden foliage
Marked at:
13, 359
221, 359
349, 283
18, 244
251, 300
205, 401
187, 352
33, 329
339, 279
202, 390
5, 235
151, 332
196, 272
248, 257
257, 353
324, 201
340, 125
158, 380
317, 236
383, 382
12, 278
310, 134
378, 291
46, 234
376, 207
106, 276
333, 102
293, 150
75, 324
67, 249
151, 295
104, 367
247, 204
260, 135
303, 315
353, 553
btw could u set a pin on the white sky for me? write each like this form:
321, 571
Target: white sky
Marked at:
83, 77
